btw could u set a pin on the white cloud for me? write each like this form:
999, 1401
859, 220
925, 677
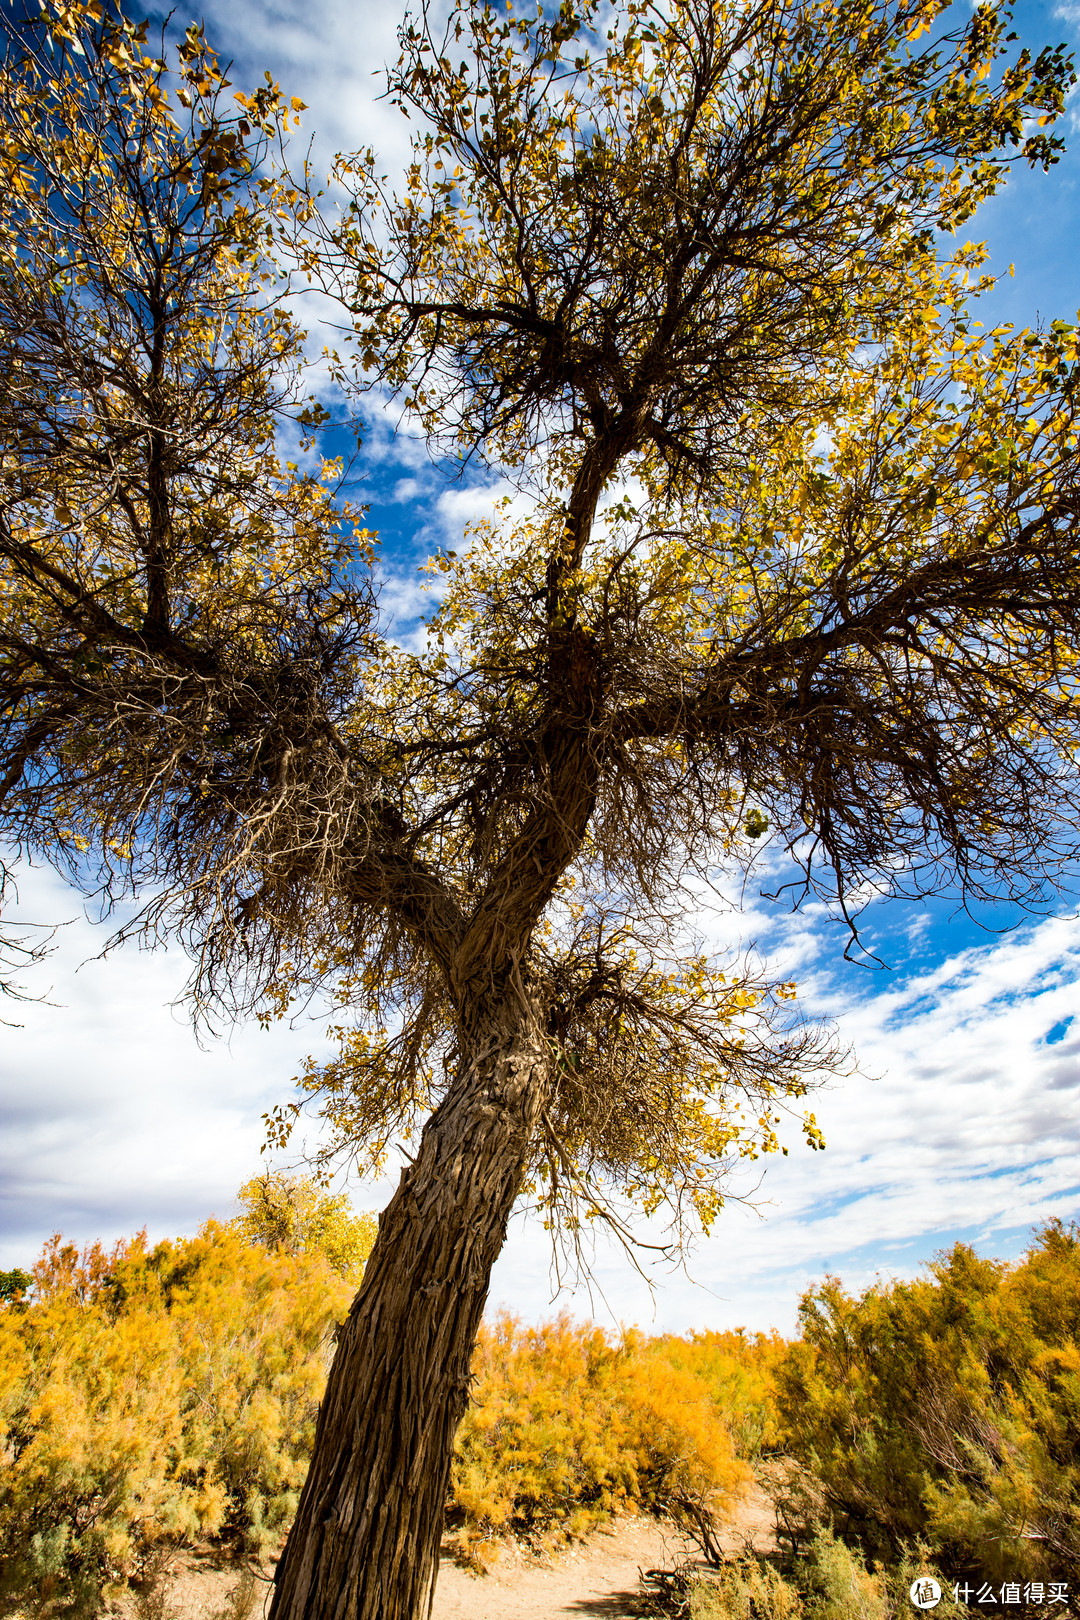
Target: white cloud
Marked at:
111, 1117
464, 504
969, 1127
332, 56
405, 602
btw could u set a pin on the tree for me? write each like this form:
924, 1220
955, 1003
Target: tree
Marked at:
144, 381
800, 554
13, 1285
290, 1213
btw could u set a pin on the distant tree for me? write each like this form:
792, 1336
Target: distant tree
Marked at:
14, 1285
294, 1214
801, 555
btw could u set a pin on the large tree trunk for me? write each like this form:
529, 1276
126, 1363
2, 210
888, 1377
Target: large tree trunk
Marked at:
365, 1542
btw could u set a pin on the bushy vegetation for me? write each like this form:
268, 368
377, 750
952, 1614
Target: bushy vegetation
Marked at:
829, 1581
947, 1411
152, 1396
149, 1396
567, 1426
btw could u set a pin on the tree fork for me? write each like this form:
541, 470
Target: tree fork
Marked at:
365, 1542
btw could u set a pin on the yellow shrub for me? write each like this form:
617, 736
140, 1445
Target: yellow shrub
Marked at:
150, 1395
153, 1395
90, 1421
566, 1427
738, 1369
253, 1337
544, 1440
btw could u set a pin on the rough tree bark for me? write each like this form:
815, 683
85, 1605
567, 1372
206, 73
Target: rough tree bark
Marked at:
365, 1542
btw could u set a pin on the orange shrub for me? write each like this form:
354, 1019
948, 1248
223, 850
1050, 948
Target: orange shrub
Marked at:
151, 1396
738, 1368
567, 1426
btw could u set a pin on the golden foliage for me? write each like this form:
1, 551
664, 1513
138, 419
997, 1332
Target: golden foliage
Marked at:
738, 1369
294, 1214
148, 363
567, 1426
154, 1395
842, 605
151, 1396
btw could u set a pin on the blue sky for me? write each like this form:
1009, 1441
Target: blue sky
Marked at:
964, 1118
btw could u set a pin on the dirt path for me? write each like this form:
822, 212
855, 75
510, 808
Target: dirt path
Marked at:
597, 1579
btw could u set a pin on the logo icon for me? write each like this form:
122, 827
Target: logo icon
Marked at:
925, 1592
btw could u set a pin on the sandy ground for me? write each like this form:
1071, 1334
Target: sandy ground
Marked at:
599, 1579
596, 1579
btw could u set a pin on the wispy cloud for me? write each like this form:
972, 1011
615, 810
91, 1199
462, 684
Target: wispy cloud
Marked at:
331, 56
963, 1121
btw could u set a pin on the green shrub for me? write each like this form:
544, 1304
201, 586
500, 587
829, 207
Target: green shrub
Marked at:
746, 1589
838, 1585
830, 1582
947, 1411
13, 1286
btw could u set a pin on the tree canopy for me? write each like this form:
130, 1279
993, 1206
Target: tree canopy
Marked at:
291, 1213
801, 550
